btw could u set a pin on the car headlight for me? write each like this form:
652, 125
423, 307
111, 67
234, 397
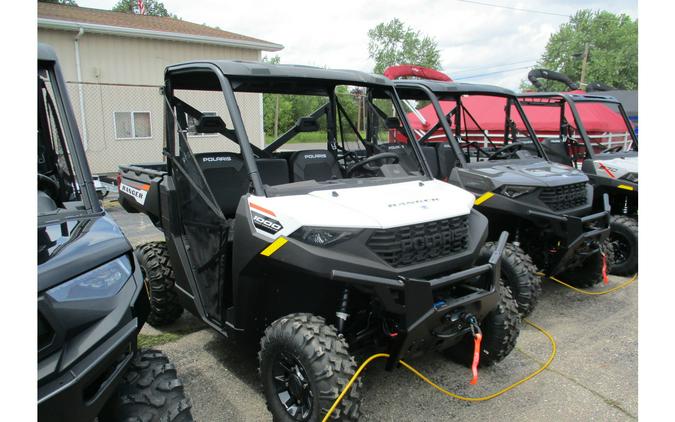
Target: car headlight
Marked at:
323, 236
101, 282
631, 177
514, 191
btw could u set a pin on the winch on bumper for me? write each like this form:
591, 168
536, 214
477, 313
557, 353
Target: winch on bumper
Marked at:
429, 315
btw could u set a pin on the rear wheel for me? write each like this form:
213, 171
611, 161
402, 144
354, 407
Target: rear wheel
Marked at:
518, 274
623, 240
500, 328
149, 392
304, 366
587, 275
160, 281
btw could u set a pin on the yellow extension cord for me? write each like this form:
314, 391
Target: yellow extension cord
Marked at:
484, 398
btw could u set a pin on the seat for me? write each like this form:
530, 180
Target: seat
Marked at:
273, 171
431, 155
447, 159
556, 151
314, 164
227, 177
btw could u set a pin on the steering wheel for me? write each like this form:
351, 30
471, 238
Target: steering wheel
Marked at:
48, 185
366, 163
501, 151
616, 148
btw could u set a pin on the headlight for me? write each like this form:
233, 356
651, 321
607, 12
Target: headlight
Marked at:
104, 281
514, 191
323, 236
631, 177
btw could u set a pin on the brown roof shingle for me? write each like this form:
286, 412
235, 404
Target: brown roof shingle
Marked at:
143, 22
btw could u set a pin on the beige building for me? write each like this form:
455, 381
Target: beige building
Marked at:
114, 65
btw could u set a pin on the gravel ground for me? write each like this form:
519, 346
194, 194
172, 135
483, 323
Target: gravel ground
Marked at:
593, 377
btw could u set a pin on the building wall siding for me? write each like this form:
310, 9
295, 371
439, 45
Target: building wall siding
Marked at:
108, 59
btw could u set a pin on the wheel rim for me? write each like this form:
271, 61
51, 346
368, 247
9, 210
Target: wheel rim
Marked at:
292, 388
621, 248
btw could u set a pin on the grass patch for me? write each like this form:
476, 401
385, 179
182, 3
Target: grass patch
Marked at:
145, 340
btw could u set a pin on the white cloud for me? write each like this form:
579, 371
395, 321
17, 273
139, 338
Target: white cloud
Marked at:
470, 36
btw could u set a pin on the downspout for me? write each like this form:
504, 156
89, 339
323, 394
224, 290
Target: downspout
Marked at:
83, 121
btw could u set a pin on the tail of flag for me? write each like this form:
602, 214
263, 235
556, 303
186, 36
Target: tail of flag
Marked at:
141, 8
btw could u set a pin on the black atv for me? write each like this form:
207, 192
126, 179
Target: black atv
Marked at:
323, 249
91, 298
609, 159
546, 206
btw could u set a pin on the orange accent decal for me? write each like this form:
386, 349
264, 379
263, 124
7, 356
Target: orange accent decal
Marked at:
259, 208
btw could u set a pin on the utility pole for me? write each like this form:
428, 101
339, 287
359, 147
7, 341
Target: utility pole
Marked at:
584, 64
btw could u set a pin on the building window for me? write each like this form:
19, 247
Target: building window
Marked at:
132, 125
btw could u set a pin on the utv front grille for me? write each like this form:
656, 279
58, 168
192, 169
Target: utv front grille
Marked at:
418, 243
564, 197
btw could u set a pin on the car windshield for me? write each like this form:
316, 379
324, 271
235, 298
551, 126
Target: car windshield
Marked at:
484, 126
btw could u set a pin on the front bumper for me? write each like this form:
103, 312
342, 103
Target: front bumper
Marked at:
79, 391
427, 318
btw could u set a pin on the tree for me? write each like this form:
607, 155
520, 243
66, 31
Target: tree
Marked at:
610, 41
66, 2
391, 43
152, 8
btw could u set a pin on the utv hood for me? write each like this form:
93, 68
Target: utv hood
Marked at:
537, 173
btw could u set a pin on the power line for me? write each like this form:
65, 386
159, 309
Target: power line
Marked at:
491, 73
541, 12
490, 67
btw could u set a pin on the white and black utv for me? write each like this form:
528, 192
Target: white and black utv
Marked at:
322, 249
91, 301
608, 156
547, 207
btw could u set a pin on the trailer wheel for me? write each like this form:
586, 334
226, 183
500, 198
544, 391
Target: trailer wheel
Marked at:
160, 281
623, 239
588, 274
304, 366
149, 392
518, 274
500, 327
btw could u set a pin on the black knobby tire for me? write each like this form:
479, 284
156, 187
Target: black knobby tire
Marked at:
623, 239
500, 328
587, 275
518, 274
160, 281
149, 392
324, 362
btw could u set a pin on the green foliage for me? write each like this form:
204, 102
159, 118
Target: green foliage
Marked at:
66, 2
152, 8
613, 50
147, 340
392, 43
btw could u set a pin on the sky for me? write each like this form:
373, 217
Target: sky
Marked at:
479, 41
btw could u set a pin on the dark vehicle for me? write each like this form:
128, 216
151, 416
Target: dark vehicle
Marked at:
91, 298
592, 132
332, 248
546, 206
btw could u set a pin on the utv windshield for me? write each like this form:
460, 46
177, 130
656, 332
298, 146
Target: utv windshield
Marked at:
303, 135
483, 126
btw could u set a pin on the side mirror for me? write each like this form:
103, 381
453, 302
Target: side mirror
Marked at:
307, 124
210, 123
392, 123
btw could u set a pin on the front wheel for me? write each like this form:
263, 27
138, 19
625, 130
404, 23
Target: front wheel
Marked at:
149, 392
588, 274
500, 328
623, 239
304, 366
159, 278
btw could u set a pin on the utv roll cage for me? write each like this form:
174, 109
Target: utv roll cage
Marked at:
431, 89
560, 100
254, 77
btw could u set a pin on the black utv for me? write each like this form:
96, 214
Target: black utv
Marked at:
593, 133
324, 247
91, 298
547, 207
